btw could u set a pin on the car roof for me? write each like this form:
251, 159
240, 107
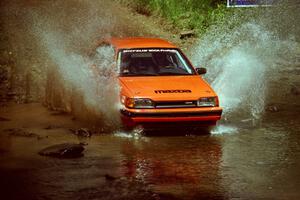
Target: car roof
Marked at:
140, 42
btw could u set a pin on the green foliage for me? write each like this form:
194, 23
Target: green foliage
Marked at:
188, 14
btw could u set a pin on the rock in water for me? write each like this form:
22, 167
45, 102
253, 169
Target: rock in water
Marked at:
295, 90
82, 132
272, 108
65, 150
22, 133
109, 177
4, 119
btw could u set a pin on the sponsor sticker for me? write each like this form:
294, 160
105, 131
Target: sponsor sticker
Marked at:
148, 50
172, 91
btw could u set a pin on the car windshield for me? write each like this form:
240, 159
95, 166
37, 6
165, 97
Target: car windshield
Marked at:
153, 62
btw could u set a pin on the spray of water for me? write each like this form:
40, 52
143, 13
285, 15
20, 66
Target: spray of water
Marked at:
81, 77
52, 42
93, 79
223, 129
241, 62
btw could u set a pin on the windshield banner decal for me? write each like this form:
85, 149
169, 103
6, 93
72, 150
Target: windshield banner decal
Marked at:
148, 50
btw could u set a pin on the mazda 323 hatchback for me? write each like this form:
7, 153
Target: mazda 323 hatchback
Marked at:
160, 87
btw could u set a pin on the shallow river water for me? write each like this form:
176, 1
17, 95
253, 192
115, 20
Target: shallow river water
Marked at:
237, 161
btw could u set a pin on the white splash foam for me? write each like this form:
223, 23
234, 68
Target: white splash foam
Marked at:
135, 134
224, 129
94, 78
240, 64
123, 134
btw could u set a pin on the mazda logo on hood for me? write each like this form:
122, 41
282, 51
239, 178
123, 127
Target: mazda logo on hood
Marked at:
172, 91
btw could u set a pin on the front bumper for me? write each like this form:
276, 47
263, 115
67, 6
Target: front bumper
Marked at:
194, 116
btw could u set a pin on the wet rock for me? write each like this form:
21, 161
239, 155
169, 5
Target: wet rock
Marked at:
2, 151
4, 119
51, 127
83, 143
11, 94
272, 108
21, 133
82, 132
59, 112
48, 127
187, 34
110, 177
65, 150
295, 90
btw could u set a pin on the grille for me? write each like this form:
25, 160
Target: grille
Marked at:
176, 104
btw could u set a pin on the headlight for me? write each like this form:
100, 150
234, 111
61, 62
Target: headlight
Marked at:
207, 102
137, 103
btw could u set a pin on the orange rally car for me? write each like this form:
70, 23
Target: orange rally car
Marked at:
159, 86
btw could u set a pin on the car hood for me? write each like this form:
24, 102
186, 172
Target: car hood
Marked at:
166, 87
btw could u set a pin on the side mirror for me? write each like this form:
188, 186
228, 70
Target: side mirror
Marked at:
201, 70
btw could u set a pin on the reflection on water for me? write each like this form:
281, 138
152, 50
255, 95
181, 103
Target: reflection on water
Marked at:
220, 166
186, 166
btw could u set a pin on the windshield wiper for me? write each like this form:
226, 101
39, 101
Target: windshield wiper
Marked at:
172, 73
148, 74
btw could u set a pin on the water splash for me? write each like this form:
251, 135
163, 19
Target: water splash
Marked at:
81, 78
241, 62
136, 134
51, 42
223, 129
93, 78
123, 134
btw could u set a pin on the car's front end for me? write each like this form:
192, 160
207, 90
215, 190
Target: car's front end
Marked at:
160, 87
168, 101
